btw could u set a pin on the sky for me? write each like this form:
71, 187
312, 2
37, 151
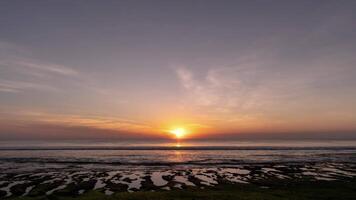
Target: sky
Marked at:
217, 69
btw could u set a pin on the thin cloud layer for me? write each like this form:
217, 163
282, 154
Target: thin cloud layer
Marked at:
219, 70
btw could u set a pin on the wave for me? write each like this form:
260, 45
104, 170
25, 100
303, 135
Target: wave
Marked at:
203, 148
212, 162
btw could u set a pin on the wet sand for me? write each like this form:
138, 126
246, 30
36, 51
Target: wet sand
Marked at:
77, 181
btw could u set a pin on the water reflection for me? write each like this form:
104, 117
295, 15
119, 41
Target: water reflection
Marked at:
178, 156
178, 144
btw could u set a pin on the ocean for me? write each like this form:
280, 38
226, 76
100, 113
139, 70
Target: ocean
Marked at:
73, 168
27, 156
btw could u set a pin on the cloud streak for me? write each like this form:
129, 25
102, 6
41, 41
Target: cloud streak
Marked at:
112, 124
18, 86
20, 72
261, 89
45, 67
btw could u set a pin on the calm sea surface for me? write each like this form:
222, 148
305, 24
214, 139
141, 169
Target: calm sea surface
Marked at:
100, 154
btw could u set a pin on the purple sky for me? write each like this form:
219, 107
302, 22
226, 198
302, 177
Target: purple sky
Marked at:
136, 69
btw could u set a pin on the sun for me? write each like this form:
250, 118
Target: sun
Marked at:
178, 132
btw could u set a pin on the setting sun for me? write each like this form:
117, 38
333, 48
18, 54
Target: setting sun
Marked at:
178, 132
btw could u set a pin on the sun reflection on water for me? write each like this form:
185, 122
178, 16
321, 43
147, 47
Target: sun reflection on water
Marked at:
178, 144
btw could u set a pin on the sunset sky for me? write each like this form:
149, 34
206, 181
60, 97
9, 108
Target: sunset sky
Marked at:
140, 69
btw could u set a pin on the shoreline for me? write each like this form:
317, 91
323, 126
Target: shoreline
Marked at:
77, 181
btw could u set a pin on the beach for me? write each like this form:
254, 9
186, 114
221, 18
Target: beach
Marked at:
151, 172
264, 180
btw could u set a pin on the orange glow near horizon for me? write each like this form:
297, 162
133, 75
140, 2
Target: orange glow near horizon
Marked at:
179, 133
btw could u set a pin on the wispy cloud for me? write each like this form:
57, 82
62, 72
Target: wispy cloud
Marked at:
109, 123
203, 92
71, 120
262, 84
219, 88
35, 67
20, 72
18, 86
46, 67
